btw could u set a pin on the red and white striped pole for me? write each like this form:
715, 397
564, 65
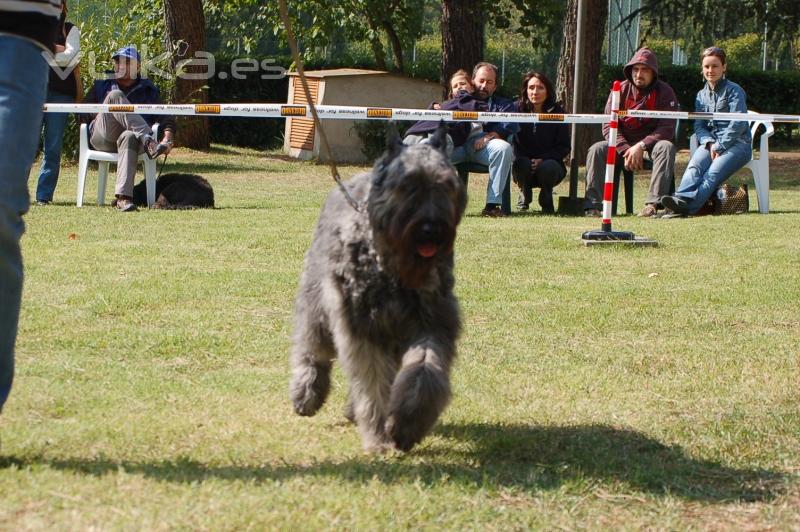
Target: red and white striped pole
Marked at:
611, 159
605, 233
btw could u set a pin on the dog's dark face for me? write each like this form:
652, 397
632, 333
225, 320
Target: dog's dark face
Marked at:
415, 204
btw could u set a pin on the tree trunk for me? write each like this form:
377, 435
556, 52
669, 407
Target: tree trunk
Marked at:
397, 46
186, 35
377, 46
594, 33
462, 36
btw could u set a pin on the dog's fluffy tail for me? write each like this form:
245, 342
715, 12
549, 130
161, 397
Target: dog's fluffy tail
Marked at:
420, 393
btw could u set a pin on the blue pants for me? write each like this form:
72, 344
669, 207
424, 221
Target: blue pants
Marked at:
498, 155
23, 84
54, 126
703, 176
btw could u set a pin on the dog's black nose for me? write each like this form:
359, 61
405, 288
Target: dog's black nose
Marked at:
428, 229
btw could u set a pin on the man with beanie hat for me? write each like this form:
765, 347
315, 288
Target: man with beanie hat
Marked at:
637, 138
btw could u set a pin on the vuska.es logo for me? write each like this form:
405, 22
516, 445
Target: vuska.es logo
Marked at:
203, 66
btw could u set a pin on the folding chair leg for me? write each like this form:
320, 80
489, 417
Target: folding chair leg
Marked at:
102, 167
83, 167
506, 206
150, 180
628, 191
761, 177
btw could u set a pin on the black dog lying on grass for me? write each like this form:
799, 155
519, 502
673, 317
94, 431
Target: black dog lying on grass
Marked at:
177, 191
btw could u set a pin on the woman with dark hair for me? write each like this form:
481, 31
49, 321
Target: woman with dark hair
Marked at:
725, 145
539, 148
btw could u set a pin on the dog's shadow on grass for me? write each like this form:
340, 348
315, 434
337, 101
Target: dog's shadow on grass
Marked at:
525, 457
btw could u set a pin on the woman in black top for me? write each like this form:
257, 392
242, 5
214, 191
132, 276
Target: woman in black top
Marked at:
539, 148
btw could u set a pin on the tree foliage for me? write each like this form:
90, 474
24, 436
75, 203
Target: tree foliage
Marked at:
711, 20
239, 25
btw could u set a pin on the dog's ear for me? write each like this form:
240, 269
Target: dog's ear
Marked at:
393, 143
439, 138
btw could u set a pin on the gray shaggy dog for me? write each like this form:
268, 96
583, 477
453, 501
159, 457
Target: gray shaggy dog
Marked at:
377, 293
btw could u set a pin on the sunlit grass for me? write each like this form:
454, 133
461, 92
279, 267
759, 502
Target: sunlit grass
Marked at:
595, 388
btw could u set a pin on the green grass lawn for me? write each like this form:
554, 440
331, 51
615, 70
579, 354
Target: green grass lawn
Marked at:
595, 388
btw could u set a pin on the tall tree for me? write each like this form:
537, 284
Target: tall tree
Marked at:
185, 25
462, 36
593, 35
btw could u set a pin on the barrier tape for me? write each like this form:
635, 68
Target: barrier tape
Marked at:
340, 112
684, 115
335, 112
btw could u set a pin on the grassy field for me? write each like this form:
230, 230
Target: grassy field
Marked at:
595, 388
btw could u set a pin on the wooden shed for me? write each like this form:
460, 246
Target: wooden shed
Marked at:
353, 87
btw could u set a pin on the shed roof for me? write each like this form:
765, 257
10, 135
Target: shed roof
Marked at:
339, 72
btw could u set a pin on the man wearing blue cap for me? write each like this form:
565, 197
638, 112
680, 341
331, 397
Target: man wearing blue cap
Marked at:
127, 134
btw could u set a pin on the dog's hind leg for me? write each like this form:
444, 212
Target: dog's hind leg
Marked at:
311, 361
419, 394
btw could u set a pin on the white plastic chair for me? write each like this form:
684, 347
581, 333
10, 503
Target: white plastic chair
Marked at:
760, 166
103, 159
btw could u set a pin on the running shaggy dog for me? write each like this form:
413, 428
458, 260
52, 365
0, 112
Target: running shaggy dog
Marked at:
377, 293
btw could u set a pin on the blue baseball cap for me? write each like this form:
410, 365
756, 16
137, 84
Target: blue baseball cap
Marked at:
129, 51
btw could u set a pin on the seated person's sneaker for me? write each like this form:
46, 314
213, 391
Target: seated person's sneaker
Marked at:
668, 213
676, 204
591, 213
153, 148
124, 204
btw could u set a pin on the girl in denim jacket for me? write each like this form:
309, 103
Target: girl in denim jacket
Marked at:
725, 145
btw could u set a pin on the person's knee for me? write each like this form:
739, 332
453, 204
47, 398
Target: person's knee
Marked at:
550, 173
128, 140
501, 149
664, 148
598, 149
115, 96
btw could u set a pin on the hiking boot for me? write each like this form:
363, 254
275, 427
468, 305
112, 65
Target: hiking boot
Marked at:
649, 211
493, 211
676, 204
124, 204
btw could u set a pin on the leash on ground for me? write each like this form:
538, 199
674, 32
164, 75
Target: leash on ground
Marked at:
301, 73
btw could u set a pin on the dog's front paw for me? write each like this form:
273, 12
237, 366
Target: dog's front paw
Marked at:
309, 389
403, 433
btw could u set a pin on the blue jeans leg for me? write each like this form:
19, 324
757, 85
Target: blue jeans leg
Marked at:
703, 176
54, 126
23, 84
498, 155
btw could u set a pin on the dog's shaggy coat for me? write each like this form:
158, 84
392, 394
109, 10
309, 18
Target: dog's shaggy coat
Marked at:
177, 191
377, 293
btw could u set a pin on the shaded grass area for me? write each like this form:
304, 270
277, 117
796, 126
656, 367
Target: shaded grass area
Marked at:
595, 388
